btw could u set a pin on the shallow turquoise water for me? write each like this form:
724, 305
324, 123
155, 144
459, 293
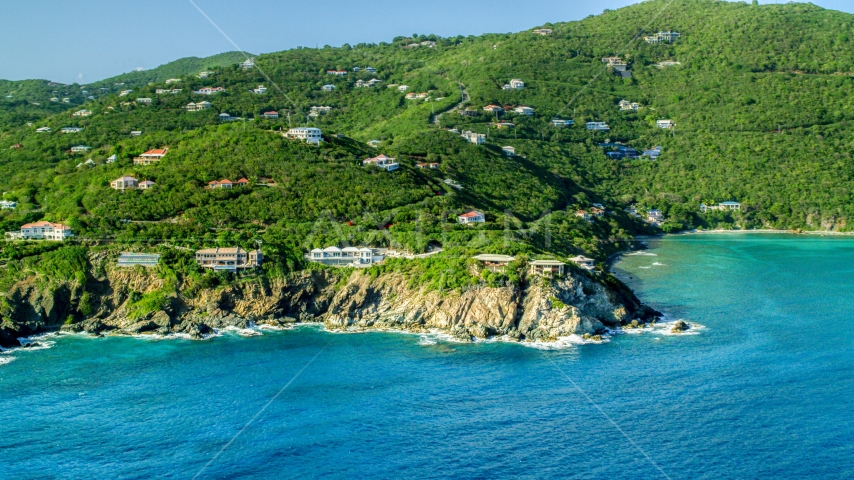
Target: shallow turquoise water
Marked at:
765, 390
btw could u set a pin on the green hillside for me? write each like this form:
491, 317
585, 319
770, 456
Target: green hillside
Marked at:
761, 99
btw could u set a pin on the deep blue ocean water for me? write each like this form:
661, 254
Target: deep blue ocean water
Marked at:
764, 390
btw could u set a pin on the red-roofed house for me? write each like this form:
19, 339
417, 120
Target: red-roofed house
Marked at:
242, 182
472, 216
386, 163
151, 156
43, 231
270, 115
493, 109
224, 183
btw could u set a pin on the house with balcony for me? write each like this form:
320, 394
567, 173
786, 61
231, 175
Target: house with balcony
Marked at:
475, 138
230, 259
80, 149
337, 73
71, 129
261, 90
386, 163
197, 107
346, 257
306, 134
124, 183
626, 105
664, 123
546, 267
523, 110
331, 88
598, 126
42, 230
249, 63
472, 216
208, 90
558, 122
145, 185
583, 262
151, 156
729, 205
492, 262
317, 111
662, 37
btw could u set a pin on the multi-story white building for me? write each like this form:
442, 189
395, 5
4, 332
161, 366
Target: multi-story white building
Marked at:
151, 156
71, 129
43, 231
524, 110
124, 183
331, 88
472, 216
475, 138
307, 134
346, 257
197, 107
662, 37
261, 90
249, 63
602, 126
664, 123
721, 206
229, 258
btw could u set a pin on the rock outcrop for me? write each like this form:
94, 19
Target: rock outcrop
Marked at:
539, 309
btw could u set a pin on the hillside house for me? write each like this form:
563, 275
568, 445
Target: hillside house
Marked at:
307, 134
80, 149
316, 111
542, 31
151, 156
123, 93
228, 259
652, 153
81, 113
124, 183
386, 163
627, 105
43, 130
402, 88
524, 110
8, 204
145, 185
224, 183
664, 123
493, 263
509, 151
271, 115
249, 63
432, 165
611, 61
371, 70
330, 88
143, 101
374, 143
337, 73
472, 216
583, 262
516, 84
546, 267
208, 90
135, 133
346, 257
357, 69
112, 158
667, 63
558, 122
132, 259
172, 80
261, 90
226, 117
493, 109
662, 37
197, 107
598, 126
475, 138
730, 205
453, 183
584, 215
42, 230
16, 146
71, 129
654, 216
205, 74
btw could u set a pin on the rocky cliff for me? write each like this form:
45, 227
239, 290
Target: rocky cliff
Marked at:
539, 309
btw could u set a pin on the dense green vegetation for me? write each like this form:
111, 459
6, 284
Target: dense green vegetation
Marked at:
761, 99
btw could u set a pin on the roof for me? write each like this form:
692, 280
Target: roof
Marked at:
487, 257
332, 249
126, 177
730, 203
580, 259
160, 151
547, 263
226, 250
472, 214
243, 180
43, 223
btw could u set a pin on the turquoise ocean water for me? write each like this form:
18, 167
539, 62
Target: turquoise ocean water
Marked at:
764, 390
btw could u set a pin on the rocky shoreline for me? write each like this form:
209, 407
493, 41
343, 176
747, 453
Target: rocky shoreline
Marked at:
538, 309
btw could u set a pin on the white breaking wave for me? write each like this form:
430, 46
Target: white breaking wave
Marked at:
661, 328
37, 342
6, 359
569, 341
656, 264
641, 253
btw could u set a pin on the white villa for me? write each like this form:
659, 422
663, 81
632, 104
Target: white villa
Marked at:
472, 216
493, 262
308, 134
249, 63
42, 231
197, 107
208, 90
386, 163
654, 216
346, 257
546, 267
627, 105
558, 122
602, 126
509, 151
261, 90
71, 129
317, 111
112, 158
135, 133
583, 262
543, 31
662, 37
8, 204
144, 101
331, 88
124, 183
516, 84
80, 149
721, 206
151, 156
43, 130
664, 123
337, 73
524, 110
475, 138
228, 259
81, 113
402, 88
